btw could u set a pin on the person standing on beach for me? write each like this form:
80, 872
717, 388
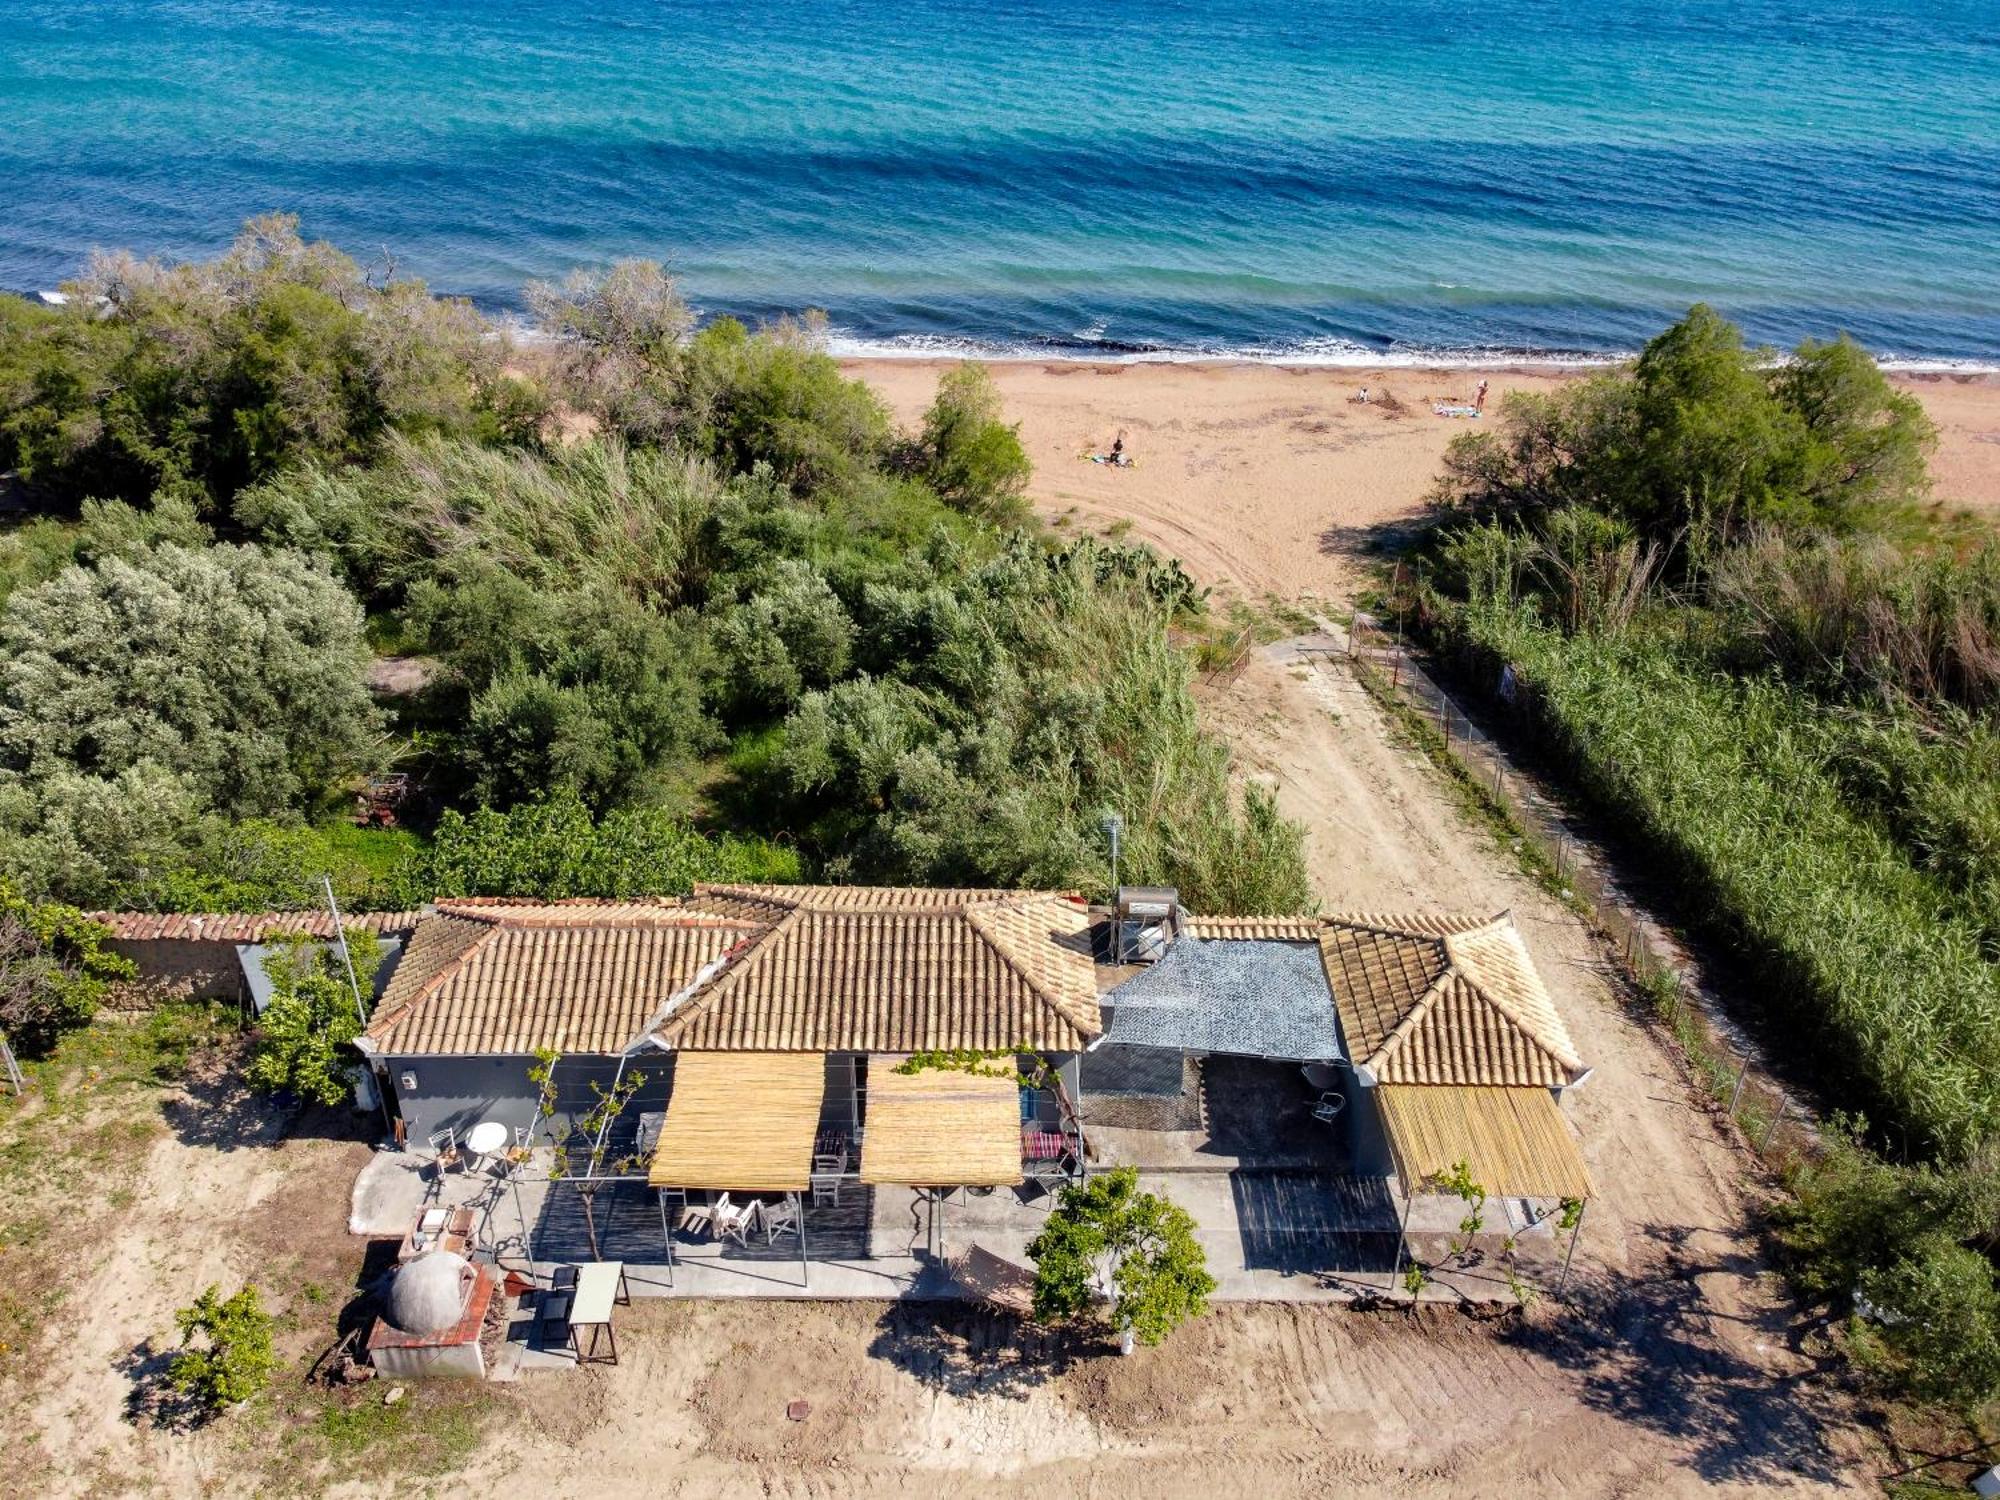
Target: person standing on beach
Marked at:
1479, 397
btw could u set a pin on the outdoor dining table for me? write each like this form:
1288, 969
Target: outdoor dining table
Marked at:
487, 1138
598, 1286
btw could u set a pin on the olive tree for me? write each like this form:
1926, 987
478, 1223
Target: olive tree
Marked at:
239, 671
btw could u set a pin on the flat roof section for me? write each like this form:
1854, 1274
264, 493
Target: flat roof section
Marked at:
1252, 997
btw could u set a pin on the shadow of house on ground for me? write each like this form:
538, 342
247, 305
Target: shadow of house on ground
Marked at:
968, 1350
1646, 1350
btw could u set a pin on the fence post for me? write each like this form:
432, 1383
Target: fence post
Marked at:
1784, 1103
1737, 1092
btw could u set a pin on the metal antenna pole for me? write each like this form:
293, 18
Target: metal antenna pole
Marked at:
1114, 825
340, 937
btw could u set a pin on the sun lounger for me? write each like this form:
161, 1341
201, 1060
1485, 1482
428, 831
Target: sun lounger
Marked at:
985, 1277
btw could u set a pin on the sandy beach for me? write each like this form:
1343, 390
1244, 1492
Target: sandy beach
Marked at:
1265, 479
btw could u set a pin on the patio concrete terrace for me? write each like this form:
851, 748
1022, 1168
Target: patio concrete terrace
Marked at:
1296, 1235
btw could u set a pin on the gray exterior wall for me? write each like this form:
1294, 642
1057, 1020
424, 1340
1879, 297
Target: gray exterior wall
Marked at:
459, 1092
1140, 1088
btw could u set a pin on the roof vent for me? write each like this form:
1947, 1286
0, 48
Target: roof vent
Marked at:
1148, 921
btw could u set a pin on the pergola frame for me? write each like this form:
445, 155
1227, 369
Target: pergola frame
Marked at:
1513, 1138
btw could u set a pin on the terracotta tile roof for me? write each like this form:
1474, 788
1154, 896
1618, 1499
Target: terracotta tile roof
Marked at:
808, 968
1264, 929
242, 927
508, 978
1445, 1000
872, 898
1378, 974
875, 969
572, 912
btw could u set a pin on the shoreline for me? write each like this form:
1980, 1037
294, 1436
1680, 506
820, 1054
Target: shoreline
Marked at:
854, 351
920, 349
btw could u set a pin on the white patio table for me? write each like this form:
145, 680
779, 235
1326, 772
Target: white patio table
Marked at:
598, 1286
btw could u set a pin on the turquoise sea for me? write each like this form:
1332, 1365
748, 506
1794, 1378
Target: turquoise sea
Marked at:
1353, 179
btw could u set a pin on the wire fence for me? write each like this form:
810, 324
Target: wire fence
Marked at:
1776, 1124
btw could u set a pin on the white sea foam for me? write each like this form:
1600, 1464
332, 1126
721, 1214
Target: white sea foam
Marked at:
1331, 353
1087, 346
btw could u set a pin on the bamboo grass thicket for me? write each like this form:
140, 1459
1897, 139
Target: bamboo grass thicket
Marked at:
1730, 780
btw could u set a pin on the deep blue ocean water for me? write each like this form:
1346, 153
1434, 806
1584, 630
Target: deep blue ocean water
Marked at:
1356, 178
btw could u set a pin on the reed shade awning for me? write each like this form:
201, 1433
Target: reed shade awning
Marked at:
942, 1127
741, 1120
1514, 1141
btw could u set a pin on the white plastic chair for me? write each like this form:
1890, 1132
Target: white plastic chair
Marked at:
733, 1221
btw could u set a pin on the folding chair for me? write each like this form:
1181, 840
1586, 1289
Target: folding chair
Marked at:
445, 1145
783, 1218
825, 1179
1330, 1104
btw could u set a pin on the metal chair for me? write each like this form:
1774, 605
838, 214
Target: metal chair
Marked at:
445, 1145
1330, 1104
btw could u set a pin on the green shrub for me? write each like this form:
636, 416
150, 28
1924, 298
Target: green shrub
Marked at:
237, 671
554, 849
305, 1036
970, 456
235, 1359
1701, 439
779, 400
1940, 1313
198, 379
54, 970
1104, 1233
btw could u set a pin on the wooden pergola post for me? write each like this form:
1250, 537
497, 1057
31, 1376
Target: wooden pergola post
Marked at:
666, 1233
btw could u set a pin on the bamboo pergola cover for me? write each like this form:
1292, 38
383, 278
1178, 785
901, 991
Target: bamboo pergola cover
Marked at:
942, 1127
1514, 1141
741, 1120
